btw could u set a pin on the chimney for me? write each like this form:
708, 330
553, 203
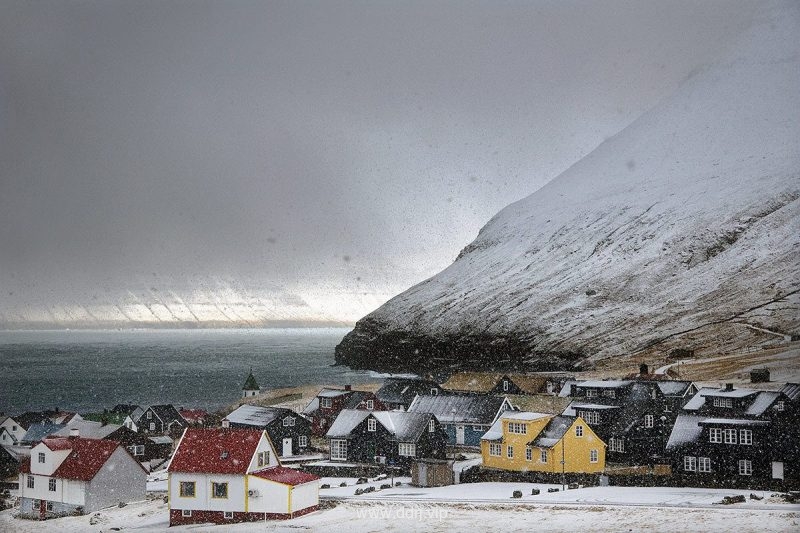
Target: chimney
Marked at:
74, 433
226, 423
348, 387
729, 386
643, 370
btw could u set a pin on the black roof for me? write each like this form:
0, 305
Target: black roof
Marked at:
403, 390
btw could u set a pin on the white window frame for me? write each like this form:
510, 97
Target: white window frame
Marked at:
263, 458
689, 463
227, 515
593, 456
518, 428
543, 456
579, 430
704, 464
136, 449
338, 449
31, 484
42, 457
715, 435
186, 513
723, 402
51, 484
495, 449
505, 385
327, 403
745, 467
152, 426
591, 393
370, 404
729, 436
431, 425
779, 405
434, 392
149, 415
406, 449
649, 420
528, 453
617, 444
302, 440
372, 425
746, 437
590, 417
510, 451
610, 393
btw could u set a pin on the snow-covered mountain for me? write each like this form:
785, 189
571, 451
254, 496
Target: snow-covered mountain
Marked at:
683, 230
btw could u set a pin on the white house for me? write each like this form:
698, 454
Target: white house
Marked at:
11, 431
233, 475
73, 475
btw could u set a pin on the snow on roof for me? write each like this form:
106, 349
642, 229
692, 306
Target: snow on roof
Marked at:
460, 408
38, 431
346, 421
566, 390
762, 402
404, 426
285, 476
496, 431
553, 431
605, 383
254, 415
734, 422
792, 390
215, 451
332, 393
685, 430
162, 439
673, 388
88, 429
734, 393
86, 458
571, 408
312, 406
698, 400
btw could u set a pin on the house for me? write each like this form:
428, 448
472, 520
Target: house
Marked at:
736, 437
365, 400
250, 387
289, 431
524, 441
634, 417
465, 417
500, 383
12, 429
398, 393
9, 463
539, 403
160, 419
386, 437
227, 475
325, 407
17, 426
132, 413
73, 475
39, 431
137, 444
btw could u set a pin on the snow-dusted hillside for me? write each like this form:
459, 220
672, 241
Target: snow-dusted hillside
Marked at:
681, 225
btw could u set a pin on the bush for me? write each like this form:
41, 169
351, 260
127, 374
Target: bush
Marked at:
343, 484
324, 486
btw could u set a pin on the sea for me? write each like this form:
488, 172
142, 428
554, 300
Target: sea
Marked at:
86, 371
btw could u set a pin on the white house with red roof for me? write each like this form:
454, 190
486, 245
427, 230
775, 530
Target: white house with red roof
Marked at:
73, 475
225, 475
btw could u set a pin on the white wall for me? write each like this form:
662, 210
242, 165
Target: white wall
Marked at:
67, 490
305, 495
272, 497
265, 444
52, 459
203, 500
10, 424
121, 479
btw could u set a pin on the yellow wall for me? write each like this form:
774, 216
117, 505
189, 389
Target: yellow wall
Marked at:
576, 450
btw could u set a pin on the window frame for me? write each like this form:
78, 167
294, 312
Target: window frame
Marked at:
338, 450
509, 451
690, 463
495, 449
431, 425
407, 449
528, 453
42, 458
31, 482
219, 484
746, 437
745, 467
649, 421
186, 513
370, 404
227, 515
715, 435
325, 403
185, 494
543, 456
594, 456
302, 440
704, 464
372, 425
51, 484
730, 436
579, 430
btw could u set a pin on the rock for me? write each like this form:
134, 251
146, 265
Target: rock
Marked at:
325, 486
517, 494
535, 492
728, 500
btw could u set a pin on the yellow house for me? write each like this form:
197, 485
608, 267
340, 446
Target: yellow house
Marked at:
523, 441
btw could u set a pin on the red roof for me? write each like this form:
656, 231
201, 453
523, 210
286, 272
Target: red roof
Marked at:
193, 416
86, 458
286, 476
215, 450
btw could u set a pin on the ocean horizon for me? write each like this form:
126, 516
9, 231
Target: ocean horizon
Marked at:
89, 370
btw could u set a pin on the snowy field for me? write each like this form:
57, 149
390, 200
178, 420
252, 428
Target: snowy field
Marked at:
462, 507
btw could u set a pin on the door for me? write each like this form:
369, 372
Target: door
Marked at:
459, 434
777, 470
287, 447
42, 509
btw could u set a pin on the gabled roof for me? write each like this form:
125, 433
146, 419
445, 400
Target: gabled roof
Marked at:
573, 407
166, 413
404, 426
686, 430
256, 416
539, 403
193, 416
496, 430
250, 383
285, 476
37, 432
88, 429
552, 433
761, 400
566, 389
487, 381
605, 383
109, 417
25, 420
403, 390
673, 388
86, 458
462, 408
791, 390
312, 406
332, 393
215, 451
355, 399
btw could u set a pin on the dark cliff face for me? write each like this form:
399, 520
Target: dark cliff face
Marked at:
373, 345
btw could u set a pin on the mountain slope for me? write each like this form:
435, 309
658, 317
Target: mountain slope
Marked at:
684, 223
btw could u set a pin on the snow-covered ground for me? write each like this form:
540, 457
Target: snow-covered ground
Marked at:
488, 506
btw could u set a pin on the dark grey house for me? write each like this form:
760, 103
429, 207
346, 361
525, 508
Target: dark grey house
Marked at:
160, 420
398, 393
288, 431
385, 437
465, 417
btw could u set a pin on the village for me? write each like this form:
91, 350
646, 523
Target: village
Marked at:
472, 437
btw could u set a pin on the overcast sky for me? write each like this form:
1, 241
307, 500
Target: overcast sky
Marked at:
335, 152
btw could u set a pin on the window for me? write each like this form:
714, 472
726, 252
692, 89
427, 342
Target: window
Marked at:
219, 490
325, 402
149, 415
543, 456
434, 392
690, 463
263, 458
228, 515
591, 417
478, 428
41, 457
370, 404
510, 451
745, 467
505, 385
303, 441
51, 484
593, 456
704, 464
579, 431
779, 406
372, 424
723, 402
517, 427
338, 450
407, 449
528, 453
152, 426
730, 436
494, 449
431, 425
186, 513
49, 506
30, 482
591, 393
608, 393
648, 421
745, 436
137, 449
617, 444
715, 435
187, 489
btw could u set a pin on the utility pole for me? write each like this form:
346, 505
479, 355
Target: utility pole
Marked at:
563, 463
